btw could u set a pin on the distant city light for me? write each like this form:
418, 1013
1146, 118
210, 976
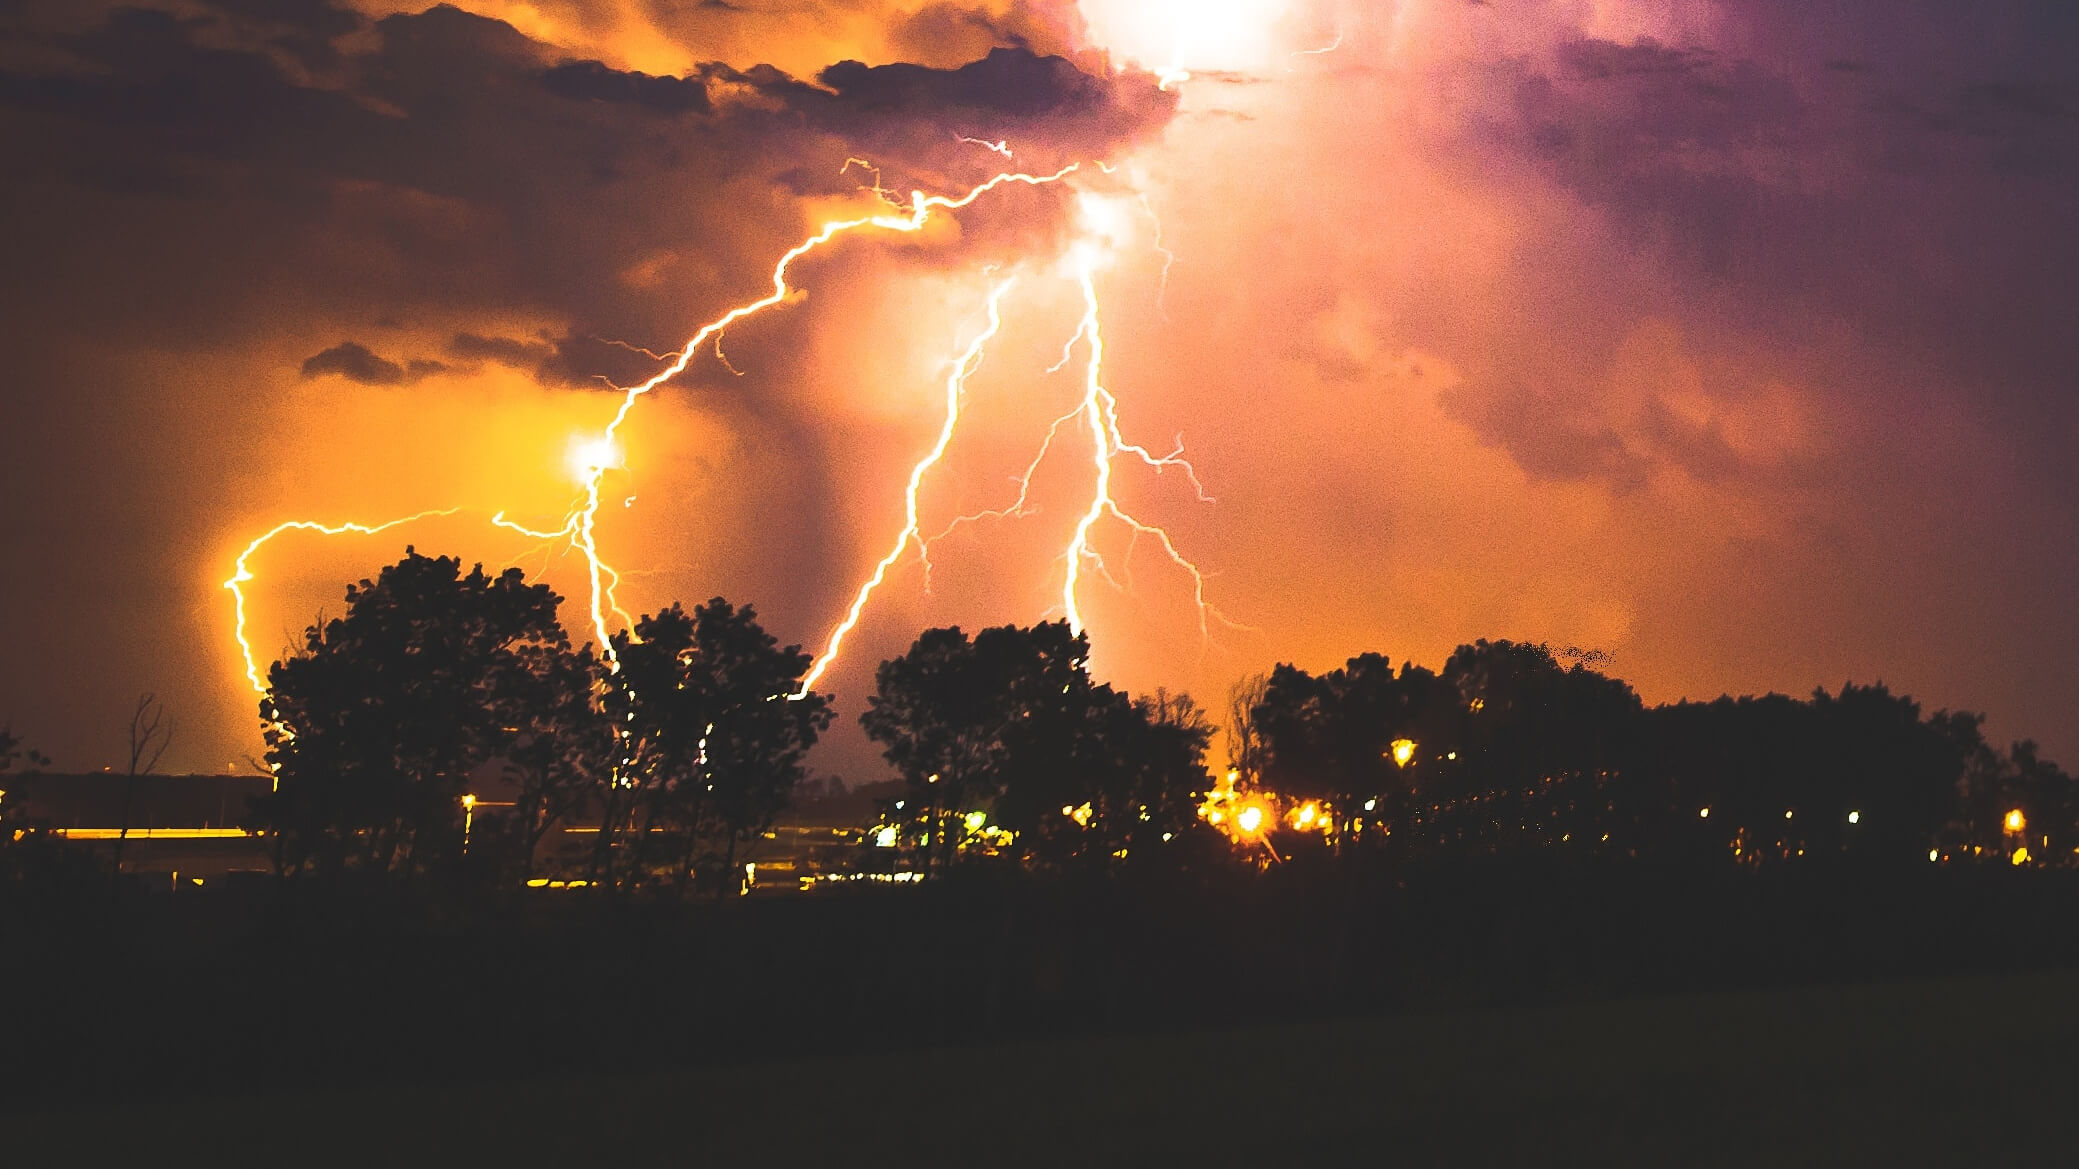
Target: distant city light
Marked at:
2016, 822
1703, 814
1403, 751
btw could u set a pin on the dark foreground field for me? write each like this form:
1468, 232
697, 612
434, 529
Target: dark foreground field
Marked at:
1948, 1072
1505, 1013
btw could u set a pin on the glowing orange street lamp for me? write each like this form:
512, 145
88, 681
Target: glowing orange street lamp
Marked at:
1403, 752
468, 815
2016, 824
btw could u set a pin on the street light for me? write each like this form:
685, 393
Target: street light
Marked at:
468, 816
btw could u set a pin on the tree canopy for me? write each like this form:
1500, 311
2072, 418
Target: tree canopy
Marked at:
1008, 731
375, 728
714, 735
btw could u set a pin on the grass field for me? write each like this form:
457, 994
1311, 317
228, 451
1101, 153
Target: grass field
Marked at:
1959, 1072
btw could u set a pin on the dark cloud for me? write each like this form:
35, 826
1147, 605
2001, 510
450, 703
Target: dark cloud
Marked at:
595, 363
1046, 105
1600, 59
469, 347
1913, 201
593, 80
1012, 83
354, 362
357, 363
568, 362
1549, 438
447, 166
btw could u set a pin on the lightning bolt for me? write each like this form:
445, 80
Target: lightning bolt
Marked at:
1169, 258
1000, 146
581, 525
1323, 51
1100, 415
242, 574
1018, 508
921, 208
1098, 412
956, 391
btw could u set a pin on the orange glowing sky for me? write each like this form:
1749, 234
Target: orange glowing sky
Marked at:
1727, 337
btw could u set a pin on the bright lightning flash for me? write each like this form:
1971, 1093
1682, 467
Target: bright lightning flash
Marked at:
592, 457
921, 209
1174, 37
956, 391
1107, 227
242, 573
1100, 416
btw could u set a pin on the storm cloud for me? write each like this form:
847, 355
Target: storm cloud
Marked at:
1733, 337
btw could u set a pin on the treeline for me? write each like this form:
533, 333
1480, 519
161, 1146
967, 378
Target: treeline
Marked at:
1508, 748
671, 753
678, 748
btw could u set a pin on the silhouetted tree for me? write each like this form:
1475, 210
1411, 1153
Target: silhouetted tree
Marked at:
1245, 748
1544, 753
560, 755
713, 735
1860, 773
26, 849
2048, 801
947, 712
151, 732
1011, 728
12, 751
1996, 784
1877, 759
1331, 738
1158, 783
374, 730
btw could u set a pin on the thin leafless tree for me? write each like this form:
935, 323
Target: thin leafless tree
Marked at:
151, 731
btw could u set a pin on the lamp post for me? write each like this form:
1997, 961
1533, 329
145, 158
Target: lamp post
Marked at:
468, 816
